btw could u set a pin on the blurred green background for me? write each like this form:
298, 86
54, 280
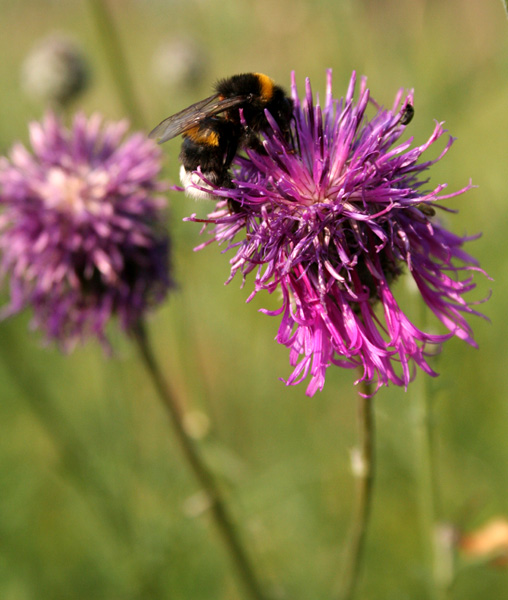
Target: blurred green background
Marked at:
95, 499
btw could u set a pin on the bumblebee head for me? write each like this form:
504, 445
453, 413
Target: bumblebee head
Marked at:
281, 109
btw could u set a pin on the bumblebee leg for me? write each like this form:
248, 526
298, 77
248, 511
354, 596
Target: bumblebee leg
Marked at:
253, 142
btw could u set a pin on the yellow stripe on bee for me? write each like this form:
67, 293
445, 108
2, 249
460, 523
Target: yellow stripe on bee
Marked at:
266, 84
208, 137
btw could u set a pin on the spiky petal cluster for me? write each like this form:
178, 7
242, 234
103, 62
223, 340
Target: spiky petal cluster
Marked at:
331, 219
81, 229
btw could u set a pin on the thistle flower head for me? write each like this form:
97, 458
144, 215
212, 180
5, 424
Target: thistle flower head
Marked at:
331, 218
56, 70
81, 232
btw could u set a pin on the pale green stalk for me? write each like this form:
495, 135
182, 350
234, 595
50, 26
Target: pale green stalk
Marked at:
113, 52
363, 469
437, 565
218, 508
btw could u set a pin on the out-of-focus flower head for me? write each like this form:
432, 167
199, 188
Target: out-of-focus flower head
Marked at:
56, 71
179, 62
82, 234
331, 218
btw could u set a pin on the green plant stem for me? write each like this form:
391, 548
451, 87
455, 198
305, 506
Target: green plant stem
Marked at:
425, 481
437, 561
437, 556
218, 508
363, 468
112, 47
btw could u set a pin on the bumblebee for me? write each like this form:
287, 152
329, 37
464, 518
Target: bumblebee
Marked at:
219, 126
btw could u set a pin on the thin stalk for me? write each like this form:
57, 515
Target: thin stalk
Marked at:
363, 468
112, 47
436, 556
426, 486
221, 516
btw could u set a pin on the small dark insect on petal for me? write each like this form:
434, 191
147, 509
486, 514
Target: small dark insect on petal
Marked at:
407, 114
427, 210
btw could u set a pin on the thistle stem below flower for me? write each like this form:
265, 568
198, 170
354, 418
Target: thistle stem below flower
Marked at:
221, 516
363, 468
439, 575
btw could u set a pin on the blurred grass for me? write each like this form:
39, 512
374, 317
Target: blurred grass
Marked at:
95, 500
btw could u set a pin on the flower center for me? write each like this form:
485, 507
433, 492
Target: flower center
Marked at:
74, 192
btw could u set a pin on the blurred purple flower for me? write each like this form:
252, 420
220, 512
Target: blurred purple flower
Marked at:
82, 229
331, 220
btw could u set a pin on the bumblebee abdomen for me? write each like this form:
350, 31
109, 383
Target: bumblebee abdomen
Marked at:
204, 156
211, 145
203, 136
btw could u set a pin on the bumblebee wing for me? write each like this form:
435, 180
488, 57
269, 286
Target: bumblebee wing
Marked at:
192, 115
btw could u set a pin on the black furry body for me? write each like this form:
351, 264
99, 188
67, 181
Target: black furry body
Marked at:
216, 128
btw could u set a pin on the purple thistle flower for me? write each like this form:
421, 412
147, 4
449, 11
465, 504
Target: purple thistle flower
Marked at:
81, 233
331, 220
